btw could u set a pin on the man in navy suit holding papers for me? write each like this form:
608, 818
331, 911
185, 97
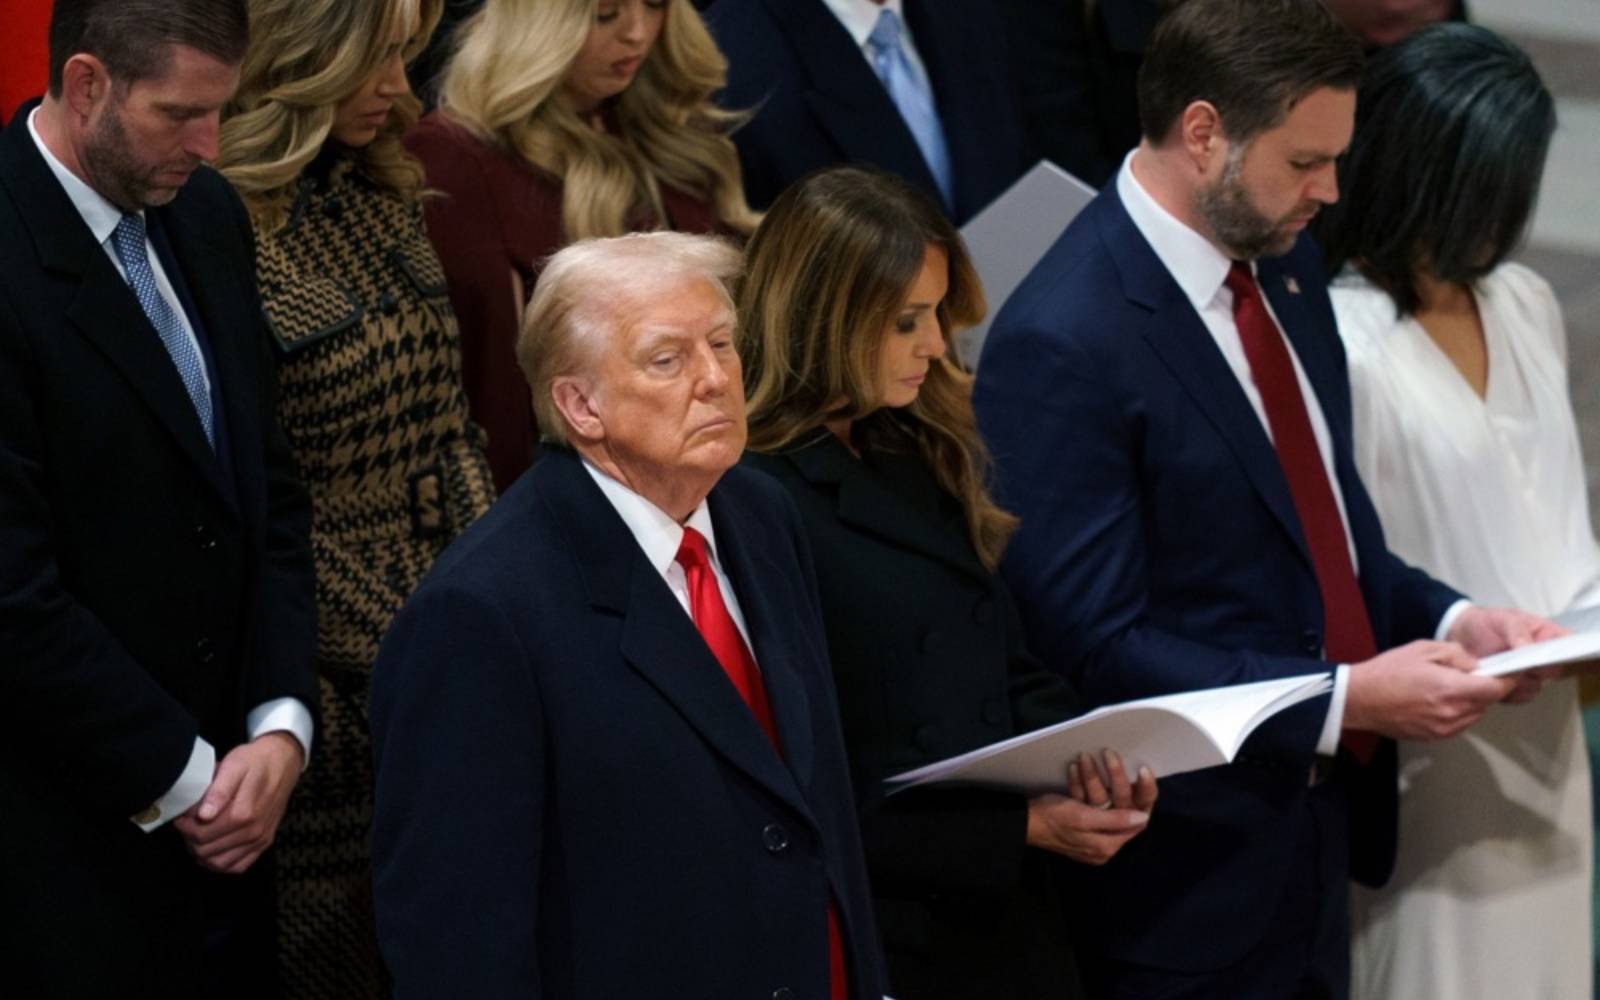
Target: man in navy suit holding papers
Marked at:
1166, 400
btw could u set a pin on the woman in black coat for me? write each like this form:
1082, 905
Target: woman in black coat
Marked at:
855, 285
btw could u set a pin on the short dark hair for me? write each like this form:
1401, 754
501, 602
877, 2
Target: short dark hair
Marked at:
1252, 59
131, 36
1452, 128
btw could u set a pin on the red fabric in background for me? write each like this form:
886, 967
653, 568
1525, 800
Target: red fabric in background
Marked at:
24, 55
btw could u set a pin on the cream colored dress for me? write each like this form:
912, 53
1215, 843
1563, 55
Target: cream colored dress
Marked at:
1491, 893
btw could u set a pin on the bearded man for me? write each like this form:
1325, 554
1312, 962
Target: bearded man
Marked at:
1166, 401
156, 618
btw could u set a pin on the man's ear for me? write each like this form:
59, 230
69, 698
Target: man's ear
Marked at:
1200, 132
85, 83
574, 398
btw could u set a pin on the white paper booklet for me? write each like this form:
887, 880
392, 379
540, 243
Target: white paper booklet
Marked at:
1169, 734
1573, 648
1010, 235
1580, 619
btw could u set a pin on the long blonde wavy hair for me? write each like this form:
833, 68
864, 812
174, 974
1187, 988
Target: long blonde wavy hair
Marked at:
504, 84
305, 57
826, 272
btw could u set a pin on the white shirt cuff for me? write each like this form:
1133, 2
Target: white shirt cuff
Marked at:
1448, 622
189, 788
1328, 744
288, 715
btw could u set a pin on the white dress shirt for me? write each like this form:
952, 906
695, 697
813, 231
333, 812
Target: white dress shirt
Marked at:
660, 536
860, 16
279, 714
1201, 269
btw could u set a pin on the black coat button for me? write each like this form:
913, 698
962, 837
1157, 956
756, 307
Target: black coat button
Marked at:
333, 208
931, 640
929, 738
204, 538
994, 711
1311, 642
783, 993
983, 611
204, 650
775, 837
387, 304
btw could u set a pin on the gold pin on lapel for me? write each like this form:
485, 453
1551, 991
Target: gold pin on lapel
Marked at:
1292, 285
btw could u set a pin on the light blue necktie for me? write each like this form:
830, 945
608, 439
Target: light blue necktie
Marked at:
912, 97
128, 240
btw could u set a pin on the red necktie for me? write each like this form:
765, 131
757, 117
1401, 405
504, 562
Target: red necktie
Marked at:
1347, 631
717, 627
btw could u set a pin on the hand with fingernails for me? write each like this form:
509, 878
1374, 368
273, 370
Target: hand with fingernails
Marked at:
1091, 822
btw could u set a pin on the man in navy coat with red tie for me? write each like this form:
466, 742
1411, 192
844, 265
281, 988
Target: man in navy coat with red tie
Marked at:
1167, 404
608, 755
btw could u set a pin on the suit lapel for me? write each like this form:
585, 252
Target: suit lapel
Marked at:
659, 641
220, 299
103, 308
747, 562
846, 97
1180, 339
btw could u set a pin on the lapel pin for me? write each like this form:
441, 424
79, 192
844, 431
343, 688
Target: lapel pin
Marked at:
1292, 285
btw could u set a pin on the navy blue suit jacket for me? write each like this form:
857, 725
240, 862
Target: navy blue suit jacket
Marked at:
572, 799
818, 103
1160, 552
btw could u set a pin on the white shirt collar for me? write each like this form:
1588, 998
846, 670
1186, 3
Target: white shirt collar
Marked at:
98, 212
653, 528
860, 16
1194, 262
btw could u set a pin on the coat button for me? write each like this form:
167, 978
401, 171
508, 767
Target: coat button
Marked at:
929, 738
333, 208
775, 837
931, 640
204, 538
994, 711
1311, 642
387, 304
783, 993
204, 650
983, 611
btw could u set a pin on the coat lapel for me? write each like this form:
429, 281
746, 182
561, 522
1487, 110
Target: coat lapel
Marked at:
865, 503
103, 308
846, 97
659, 642
1180, 339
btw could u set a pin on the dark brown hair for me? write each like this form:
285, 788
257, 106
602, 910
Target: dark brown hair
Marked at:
826, 271
131, 36
1251, 59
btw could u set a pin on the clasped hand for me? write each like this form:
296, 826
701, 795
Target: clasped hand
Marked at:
1091, 822
238, 816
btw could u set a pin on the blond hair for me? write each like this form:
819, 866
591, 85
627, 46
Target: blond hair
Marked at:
828, 270
587, 289
305, 57
504, 84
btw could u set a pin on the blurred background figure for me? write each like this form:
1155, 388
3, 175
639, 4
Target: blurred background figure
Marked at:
370, 398
24, 25
1465, 437
856, 286
562, 120
920, 88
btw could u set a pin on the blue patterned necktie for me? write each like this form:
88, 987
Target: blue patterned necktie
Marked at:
129, 242
913, 98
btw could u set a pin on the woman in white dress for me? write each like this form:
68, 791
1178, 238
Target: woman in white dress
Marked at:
1465, 438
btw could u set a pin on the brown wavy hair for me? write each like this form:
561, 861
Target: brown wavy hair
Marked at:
305, 57
827, 271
